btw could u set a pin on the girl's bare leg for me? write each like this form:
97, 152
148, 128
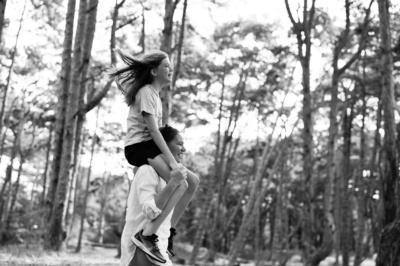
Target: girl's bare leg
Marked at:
154, 224
193, 183
162, 168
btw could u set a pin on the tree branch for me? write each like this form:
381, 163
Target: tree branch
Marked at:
361, 42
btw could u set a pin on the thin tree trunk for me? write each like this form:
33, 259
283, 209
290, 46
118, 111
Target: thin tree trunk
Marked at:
389, 245
304, 47
3, 4
166, 46
8, 176
96, 99
12, 58
180, 45
47, 162
360, 195
9, 169
14, 195
221, 168
103, 201
257, 195
94, 141
142, 42
74, 196
345, 225
206, 210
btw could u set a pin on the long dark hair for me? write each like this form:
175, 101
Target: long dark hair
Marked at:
136, 73
168, 133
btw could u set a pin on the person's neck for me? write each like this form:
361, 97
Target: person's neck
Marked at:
157, 86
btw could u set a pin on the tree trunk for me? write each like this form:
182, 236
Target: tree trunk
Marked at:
166, 46
61, 112
88, 35
103, 201
8, 176
96, 99
389, 246
94, 141
83, 217
223, 161
206, 210
10, 167
14, 196
360, 196
3, 4
12, 58
142, 42
257, 195
346, 202
180, 45
301, 29
55, 234
47, 162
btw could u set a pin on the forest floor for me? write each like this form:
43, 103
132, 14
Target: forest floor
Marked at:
33, 255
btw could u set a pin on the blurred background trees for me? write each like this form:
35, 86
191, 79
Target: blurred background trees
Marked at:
294, 130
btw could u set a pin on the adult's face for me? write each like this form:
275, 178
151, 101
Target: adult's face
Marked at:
177, 147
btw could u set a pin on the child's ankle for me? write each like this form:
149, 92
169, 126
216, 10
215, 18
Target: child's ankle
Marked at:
147, 232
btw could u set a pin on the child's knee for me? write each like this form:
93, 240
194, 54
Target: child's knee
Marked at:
194, 182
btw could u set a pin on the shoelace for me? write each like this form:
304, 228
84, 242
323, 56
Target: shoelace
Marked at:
153, 241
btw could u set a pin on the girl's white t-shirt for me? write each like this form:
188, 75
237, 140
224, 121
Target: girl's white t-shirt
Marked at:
147, 100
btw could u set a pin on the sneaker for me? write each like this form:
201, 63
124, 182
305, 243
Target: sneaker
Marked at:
170, 249
148, 245
153, 261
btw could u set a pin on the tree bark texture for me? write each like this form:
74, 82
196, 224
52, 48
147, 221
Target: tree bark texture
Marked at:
61, 109
47, 162
55, 234
166, 46
389, 245
346, 202
180, 45
302, 30
89, 31
94, 141
14, 194
8, 175
360, 195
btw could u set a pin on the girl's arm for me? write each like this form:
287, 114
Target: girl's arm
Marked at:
159, 140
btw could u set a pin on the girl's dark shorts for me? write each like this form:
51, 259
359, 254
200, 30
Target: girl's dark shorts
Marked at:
138, 153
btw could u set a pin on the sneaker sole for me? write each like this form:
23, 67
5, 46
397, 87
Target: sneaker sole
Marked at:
153, 261
145, 250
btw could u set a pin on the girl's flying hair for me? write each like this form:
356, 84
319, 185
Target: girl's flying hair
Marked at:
136, 73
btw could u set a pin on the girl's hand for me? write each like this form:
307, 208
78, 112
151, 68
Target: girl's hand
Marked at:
183, 170
177, 177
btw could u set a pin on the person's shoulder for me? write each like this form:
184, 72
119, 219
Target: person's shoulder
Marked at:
145, 89
146, 170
